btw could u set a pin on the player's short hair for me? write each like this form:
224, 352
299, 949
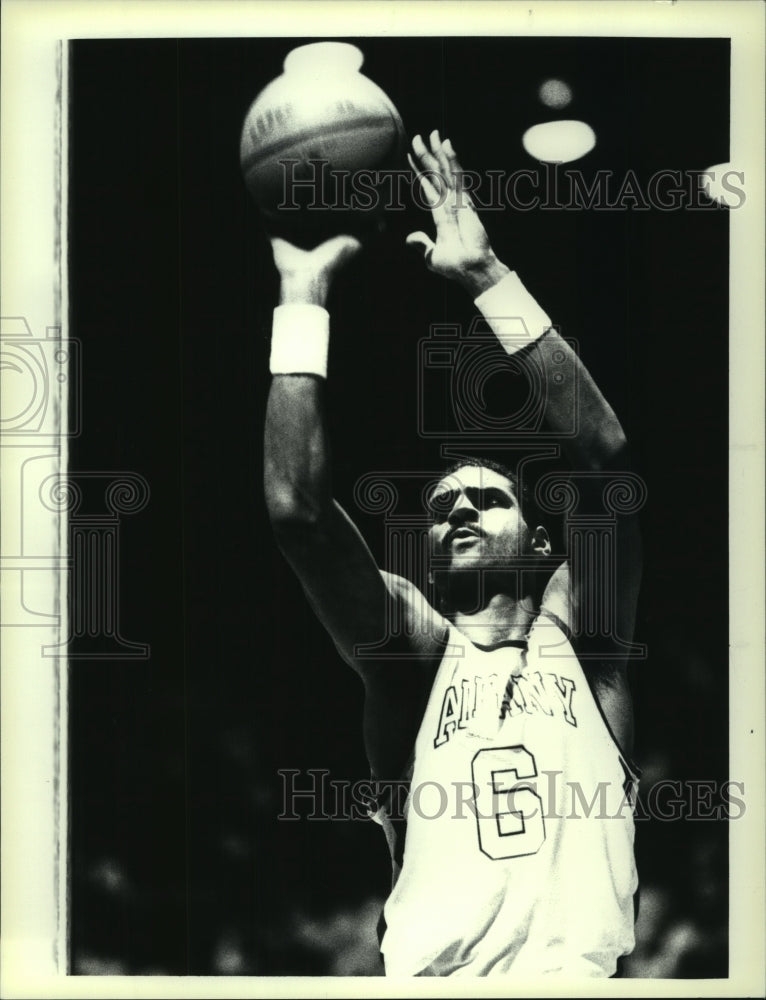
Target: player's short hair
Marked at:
521, 491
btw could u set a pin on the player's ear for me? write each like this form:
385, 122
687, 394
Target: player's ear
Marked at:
541, 542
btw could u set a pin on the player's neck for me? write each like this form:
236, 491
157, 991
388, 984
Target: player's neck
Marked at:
503, 618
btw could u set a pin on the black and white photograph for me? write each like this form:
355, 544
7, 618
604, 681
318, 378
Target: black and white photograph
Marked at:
383, 499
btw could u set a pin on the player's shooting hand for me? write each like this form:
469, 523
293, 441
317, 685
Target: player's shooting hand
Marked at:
306, 275
462, 250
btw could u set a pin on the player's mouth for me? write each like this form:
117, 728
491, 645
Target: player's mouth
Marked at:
462, 534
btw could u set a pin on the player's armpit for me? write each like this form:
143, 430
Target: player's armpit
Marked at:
606, 676
557, 596
373, 618
604, 568
425, 629
397, 685
608, 680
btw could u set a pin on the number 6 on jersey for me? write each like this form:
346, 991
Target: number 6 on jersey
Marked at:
516, 828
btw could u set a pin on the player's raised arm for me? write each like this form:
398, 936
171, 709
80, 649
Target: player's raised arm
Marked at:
461, 251
338, 573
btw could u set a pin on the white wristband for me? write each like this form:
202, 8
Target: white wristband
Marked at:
512, 313
300, 338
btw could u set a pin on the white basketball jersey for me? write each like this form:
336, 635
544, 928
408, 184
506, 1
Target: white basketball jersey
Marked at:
518, 855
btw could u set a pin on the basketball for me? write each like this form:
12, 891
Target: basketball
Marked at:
310, 131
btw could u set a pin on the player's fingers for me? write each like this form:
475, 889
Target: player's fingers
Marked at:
455, 170
441, 157
438, 200
459, 176
433, 197
429, 163
449, 151
419, 241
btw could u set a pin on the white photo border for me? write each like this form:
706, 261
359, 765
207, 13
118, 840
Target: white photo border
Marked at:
34, 750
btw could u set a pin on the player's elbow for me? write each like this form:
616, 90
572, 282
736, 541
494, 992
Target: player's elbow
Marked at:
612, 451
291, 513
600, 443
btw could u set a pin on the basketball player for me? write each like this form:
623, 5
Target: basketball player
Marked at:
514, 855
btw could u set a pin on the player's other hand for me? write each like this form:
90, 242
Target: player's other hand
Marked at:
306, 275
462, 250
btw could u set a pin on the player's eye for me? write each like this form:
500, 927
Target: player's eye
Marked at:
493, 498
440, 505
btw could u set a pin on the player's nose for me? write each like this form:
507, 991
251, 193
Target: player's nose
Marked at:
463, 510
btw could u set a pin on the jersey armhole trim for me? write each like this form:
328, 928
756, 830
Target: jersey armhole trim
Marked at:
635, 770
626, 757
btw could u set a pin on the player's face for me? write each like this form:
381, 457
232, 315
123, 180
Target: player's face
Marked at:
477, 521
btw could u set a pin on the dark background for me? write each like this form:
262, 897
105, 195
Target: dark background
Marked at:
179, 863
